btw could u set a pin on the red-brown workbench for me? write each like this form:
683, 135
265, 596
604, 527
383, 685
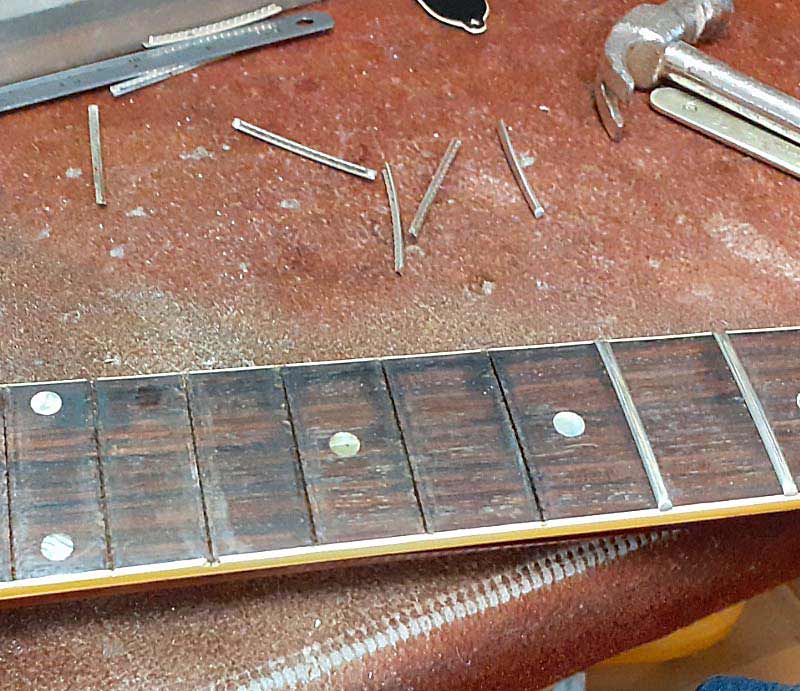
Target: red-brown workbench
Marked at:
216, 250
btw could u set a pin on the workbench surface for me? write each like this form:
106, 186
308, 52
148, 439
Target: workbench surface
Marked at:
218, 251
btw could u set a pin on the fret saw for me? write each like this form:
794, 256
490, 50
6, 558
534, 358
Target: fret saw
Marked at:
134, 480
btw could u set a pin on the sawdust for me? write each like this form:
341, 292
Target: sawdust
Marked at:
743, 240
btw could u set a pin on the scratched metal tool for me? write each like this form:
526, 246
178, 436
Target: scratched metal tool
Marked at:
434, 187
727, 128
303, 150
127, 67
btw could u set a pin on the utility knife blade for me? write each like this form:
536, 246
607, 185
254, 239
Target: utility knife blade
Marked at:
470, 15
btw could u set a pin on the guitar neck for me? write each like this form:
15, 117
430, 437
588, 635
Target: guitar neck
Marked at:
133, 480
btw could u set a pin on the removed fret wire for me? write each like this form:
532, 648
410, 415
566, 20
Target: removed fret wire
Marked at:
150, 78
97, 156
434, 187
518, 171
215, 28
753, 403
397, 224
303, 150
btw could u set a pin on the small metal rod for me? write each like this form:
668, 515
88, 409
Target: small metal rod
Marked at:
97, 155
753, 403
150, 78
518, 171
397, 224
434, 187
304, 151
638, 431
209, 29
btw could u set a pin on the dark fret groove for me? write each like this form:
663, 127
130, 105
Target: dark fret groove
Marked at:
9, 530
154, 509
101, 479
368, 495
209, 542
520, 446
300, 469
414, 482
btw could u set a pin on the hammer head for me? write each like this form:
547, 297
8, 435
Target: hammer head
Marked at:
636, 44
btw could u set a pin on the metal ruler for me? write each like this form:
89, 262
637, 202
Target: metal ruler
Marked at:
193, 51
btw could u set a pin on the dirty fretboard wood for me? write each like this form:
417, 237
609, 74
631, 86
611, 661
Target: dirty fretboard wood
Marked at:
146, 479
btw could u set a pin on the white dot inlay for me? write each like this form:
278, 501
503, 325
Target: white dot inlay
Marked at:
46, 403
345, 444
569, 424
57, 547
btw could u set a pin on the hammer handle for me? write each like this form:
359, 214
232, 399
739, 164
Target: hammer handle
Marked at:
714, 80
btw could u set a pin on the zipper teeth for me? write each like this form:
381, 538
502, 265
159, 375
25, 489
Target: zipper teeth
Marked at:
320, 660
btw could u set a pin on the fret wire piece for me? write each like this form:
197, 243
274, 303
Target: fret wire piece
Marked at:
303, 150
214, 28
519, 172
758, 414
152, 77
97, 156
397, 224
434, 187
638, 431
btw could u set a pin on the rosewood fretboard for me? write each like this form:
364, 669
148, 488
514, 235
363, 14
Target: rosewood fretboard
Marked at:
132, 480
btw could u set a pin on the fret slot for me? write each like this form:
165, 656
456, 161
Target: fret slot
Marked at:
757, 413
700, 428
5, 528
153, 494
640, 438
253, 487
465, 457
57, 521
772, 363
581, 455
358, 476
